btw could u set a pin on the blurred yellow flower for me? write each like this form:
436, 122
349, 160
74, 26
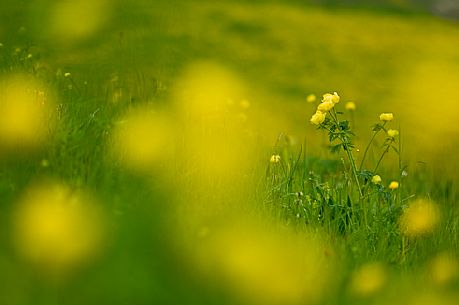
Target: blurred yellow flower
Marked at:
318, 118
368, 279
350, 106
56, 228
67, 74
393, 185
334, 98
267, 268
420, 218
25, 115
311, 98
325, 106
386, 117
376, 179
392, 133
275, 159
444, 268
142, 139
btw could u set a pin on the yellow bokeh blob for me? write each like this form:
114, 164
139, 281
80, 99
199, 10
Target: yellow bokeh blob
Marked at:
56, 228
444, 268
142, 139
25, 112
215, 128
420, 218
368, 279
264, 268
77, 19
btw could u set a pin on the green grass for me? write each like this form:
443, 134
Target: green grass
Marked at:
166, 225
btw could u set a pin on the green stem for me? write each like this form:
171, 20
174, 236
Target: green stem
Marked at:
383, 154
400, 168
349, 153
368, 146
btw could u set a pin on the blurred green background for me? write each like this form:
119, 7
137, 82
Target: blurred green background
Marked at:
384, 55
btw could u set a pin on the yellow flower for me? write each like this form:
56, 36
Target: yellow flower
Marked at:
421, 217
275, 159
393, 185
67, 74
376, 179
311, 98
318, 118
325, 106
386, 117
334, 98
392, 133
350, 106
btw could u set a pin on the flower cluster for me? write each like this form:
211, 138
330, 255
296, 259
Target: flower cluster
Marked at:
328, 102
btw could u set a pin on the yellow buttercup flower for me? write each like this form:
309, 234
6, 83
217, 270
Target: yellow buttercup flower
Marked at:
376, 179
392, 133
311, 98
350, 106
334, 98
386, 117
325, 106
393, 185
275, 159
318, 118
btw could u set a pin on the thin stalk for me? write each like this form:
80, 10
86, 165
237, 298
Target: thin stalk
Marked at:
400, 168
349, 153
368, 147
383, 154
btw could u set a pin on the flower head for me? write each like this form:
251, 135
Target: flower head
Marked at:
275, 159
386, 117
67, 74
376, 179
392, 133
311, 98
393, 185
325, 106
318, 118
350, 106
328, 97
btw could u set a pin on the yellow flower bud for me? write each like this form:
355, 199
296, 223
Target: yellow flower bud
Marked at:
350, 106
325, 106
318, 118
311, 98
275, 159
376, 179
393, 185
392, 133
386, 117
334, 98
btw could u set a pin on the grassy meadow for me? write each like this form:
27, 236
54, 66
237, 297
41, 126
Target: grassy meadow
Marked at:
228, 152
